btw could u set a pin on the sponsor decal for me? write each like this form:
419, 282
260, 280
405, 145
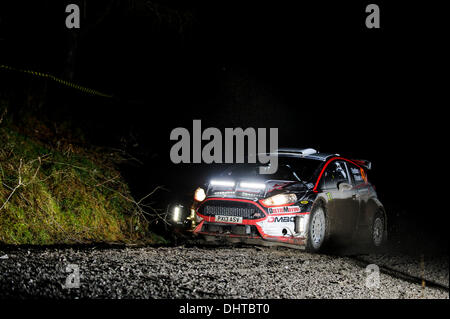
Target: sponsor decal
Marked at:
304, 202
284, 209
281, 219
278, 186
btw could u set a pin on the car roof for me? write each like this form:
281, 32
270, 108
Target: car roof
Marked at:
317, 156
308, 153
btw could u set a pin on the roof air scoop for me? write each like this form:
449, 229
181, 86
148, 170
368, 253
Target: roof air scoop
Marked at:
299, 151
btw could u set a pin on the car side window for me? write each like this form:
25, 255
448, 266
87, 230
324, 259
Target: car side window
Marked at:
357, 174
335, 173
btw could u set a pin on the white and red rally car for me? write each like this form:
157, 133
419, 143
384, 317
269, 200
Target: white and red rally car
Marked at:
312, 199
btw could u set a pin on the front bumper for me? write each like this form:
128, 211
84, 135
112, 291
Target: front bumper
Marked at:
258, 222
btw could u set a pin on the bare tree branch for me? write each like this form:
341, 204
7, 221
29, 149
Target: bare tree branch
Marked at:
15, 188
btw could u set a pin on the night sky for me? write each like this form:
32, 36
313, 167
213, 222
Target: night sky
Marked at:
312, 70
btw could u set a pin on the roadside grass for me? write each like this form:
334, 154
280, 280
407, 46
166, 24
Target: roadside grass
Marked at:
54, 192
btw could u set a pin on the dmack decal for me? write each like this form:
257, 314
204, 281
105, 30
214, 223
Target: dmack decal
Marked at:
284, 209
281, 219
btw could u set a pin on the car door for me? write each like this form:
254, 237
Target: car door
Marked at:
359, 180
342, 205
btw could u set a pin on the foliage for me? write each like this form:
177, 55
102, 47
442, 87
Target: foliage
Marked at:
53, 192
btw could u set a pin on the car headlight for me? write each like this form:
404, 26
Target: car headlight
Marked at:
199, 194
280, 199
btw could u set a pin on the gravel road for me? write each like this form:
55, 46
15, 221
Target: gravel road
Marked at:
194, 272
434, 269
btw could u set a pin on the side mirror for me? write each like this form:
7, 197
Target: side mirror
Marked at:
342, 186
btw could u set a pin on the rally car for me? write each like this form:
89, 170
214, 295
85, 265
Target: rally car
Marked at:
312, 200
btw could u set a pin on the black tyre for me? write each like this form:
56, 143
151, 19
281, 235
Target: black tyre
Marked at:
318, 229
378, 231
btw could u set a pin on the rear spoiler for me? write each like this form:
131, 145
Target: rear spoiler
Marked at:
366, 164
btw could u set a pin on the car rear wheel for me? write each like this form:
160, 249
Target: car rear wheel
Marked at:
378, 230
318, 230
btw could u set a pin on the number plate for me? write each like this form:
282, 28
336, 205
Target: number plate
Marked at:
228, 219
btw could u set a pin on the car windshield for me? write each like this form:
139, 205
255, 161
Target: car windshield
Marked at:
289, 168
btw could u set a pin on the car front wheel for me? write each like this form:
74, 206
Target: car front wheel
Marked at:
318, 230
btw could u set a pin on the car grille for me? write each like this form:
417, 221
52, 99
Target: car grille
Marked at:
245, 230
230, 208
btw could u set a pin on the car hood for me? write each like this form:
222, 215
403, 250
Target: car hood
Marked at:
250, 189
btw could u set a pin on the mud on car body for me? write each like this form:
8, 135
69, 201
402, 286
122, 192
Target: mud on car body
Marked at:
313, 199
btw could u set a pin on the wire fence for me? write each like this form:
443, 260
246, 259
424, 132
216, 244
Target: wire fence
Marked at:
56, 79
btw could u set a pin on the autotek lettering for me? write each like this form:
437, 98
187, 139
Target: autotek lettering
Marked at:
281, 219
284, 209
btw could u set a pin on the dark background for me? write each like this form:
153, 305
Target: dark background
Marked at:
311, 69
